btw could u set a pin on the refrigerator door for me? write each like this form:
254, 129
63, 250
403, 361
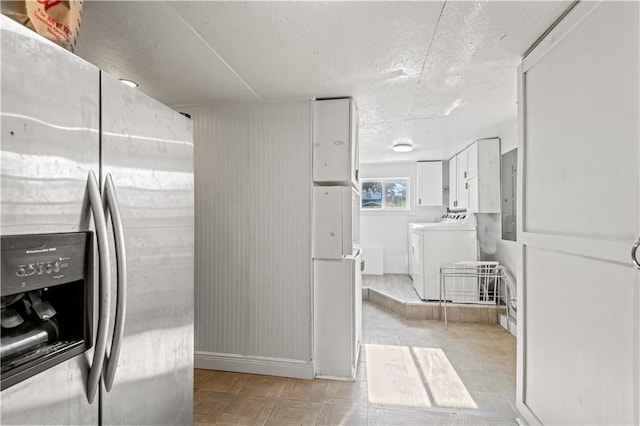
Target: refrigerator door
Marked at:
50, 121
147, 148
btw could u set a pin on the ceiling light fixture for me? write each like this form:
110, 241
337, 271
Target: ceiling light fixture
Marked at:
402, 146
129, 83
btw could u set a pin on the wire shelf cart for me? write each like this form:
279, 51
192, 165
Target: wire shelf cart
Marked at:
473, 282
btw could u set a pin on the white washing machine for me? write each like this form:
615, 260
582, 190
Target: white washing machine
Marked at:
434, 245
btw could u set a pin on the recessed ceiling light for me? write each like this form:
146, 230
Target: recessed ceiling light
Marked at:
402, 146
128, 82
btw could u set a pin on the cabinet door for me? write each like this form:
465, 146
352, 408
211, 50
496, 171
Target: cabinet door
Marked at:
429, 185
453, 182
463, 197
472, 161
355, 149
355, 215
331, 141
327, 222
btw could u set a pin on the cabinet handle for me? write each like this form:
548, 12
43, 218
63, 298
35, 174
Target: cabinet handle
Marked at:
465, 175
419, 201
466, 185
362, 265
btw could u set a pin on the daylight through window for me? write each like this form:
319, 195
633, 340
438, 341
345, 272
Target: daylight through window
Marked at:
385, 194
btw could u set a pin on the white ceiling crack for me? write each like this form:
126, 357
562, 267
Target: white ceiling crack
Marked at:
426, 57
218, 55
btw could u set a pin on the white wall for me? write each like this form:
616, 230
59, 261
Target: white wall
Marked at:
389, 229
253, 237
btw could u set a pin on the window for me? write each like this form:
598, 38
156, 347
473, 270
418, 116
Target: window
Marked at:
385, 194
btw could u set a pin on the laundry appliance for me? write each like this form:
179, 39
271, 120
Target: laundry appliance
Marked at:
438, 244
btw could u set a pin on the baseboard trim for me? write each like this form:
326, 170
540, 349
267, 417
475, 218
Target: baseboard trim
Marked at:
254, 365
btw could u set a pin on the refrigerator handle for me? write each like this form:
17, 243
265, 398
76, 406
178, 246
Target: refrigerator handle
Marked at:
113, 208
95, 201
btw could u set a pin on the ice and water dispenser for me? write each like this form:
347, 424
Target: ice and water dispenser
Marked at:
44, 302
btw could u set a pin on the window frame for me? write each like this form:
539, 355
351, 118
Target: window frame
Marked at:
383, 181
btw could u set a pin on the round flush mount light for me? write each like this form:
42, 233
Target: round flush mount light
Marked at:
402, 146
129, 83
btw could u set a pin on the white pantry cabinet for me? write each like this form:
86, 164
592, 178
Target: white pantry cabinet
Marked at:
337, 316
430, 176
335, 142
336, 221
475, 184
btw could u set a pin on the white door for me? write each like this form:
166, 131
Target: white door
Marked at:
578, 290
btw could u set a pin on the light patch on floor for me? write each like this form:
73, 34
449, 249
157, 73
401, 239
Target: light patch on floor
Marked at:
445, 386
393, 377
415, 377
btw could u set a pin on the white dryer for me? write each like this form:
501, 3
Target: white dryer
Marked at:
434, 245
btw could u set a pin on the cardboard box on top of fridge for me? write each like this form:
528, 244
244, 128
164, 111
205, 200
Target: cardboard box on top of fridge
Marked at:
57, 20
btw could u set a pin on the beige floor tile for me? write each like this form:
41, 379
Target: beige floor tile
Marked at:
304, 390
247, 410
264, 386
208, 405
335, 414
290, 412
224, 381
200, 377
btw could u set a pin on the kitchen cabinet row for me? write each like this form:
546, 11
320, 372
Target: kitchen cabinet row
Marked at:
473, 177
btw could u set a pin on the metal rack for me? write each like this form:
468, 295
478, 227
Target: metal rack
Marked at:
472, 282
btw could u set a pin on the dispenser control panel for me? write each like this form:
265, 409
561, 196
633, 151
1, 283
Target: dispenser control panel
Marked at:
30, 262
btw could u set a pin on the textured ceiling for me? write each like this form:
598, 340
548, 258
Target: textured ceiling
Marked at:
441, 74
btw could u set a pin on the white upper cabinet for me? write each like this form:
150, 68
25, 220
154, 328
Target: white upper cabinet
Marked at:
475, 184
453, 185
484, 183
335, 142
463, 191
430, 188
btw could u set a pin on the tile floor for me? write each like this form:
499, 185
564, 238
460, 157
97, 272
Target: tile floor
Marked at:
397, 285
411, 372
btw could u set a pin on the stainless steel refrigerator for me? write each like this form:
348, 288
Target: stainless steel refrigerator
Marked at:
86, 159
